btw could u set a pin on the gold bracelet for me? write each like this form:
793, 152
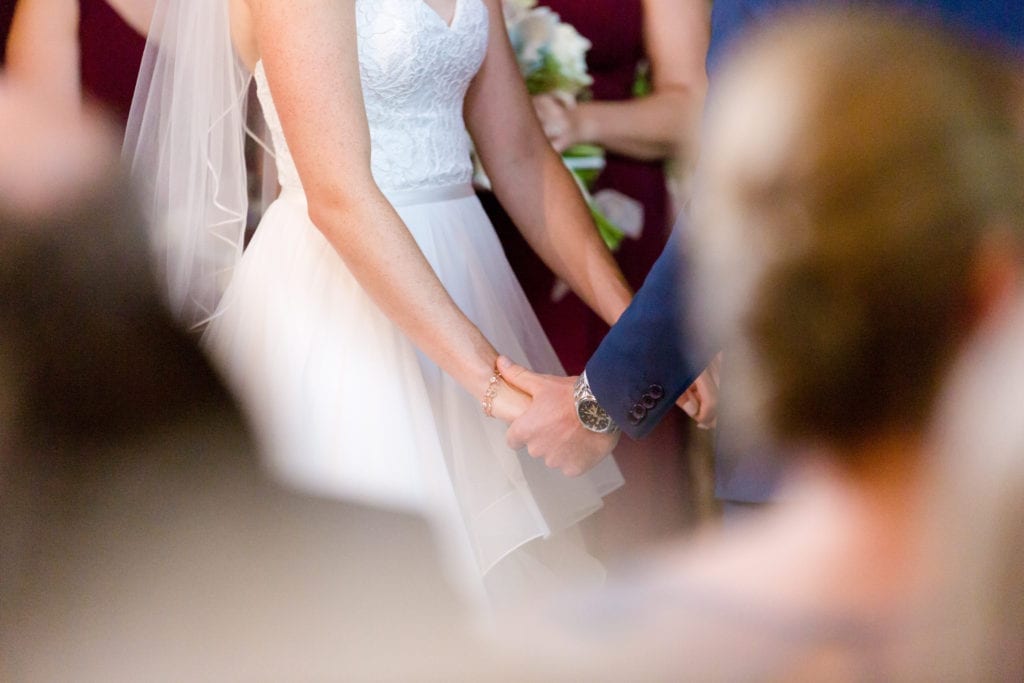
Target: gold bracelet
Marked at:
491, 393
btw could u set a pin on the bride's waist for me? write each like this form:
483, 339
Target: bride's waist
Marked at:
398, 197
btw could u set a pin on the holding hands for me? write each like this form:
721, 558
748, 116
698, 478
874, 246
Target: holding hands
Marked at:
547, 424
549, 428
508, 402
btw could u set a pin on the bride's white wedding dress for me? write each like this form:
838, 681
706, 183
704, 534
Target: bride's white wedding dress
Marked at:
344, 403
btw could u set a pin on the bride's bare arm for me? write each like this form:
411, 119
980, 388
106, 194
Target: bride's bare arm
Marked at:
532, 183
309, 53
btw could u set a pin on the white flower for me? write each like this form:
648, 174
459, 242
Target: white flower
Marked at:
569, 48
532, 37
521, 4
543, 43
515, 10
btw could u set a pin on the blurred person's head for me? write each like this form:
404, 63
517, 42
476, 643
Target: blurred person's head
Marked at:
860, 211
86, 348
89, 359
139, 537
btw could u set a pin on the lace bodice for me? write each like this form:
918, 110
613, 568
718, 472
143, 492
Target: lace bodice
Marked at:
415, 70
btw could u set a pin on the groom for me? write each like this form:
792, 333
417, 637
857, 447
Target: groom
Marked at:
646, 362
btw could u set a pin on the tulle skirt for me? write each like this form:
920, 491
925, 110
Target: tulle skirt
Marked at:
346, 406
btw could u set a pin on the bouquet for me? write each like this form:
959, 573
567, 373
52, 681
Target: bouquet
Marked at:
552, 58
551, 54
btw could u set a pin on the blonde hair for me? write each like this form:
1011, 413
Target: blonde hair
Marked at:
842, 240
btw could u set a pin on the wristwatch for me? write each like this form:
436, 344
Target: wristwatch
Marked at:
591, 415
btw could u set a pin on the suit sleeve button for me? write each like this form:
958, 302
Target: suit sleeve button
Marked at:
648, 401
637, 414
656, 391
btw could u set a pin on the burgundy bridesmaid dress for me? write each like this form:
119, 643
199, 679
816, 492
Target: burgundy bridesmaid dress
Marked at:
615, 28
111, 52
6, 15
110, 49
657, 499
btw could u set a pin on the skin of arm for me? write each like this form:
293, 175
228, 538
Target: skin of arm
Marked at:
532, 183
309, 53
660, 125
42, 50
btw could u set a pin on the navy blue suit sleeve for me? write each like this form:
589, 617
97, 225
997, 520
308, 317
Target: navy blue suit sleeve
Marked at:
645, 363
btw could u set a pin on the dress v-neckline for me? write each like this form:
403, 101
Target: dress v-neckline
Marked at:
448, 23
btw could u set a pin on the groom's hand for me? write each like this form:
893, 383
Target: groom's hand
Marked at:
549, 428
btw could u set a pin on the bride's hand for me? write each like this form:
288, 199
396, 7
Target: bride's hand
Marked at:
509, 403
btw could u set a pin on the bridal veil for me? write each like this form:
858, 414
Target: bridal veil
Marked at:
185, 148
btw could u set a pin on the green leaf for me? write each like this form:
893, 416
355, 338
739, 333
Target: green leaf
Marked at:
583, 150
610, 233
549, 77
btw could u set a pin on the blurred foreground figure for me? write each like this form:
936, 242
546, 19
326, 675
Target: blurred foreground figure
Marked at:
857, 222
138, 539
970, 621
67, 50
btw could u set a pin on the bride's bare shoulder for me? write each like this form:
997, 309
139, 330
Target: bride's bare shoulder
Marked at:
245, 15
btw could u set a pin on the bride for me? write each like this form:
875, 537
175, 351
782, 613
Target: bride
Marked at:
361, 327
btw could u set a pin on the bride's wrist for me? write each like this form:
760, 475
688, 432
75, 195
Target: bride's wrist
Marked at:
494, 383
499, 399
472, 366
508, 403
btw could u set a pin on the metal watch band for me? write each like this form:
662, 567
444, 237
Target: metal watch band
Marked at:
588, 411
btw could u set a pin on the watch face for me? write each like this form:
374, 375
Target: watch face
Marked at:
593, 416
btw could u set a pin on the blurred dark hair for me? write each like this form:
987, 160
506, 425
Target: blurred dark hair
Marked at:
94, 374
860, 238
136, 519
92, 353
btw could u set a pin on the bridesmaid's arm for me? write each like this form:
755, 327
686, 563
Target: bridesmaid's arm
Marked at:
42, 50
532, 183
662, 124
309, 53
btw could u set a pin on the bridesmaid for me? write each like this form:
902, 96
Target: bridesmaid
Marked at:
641, 135
72, 50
